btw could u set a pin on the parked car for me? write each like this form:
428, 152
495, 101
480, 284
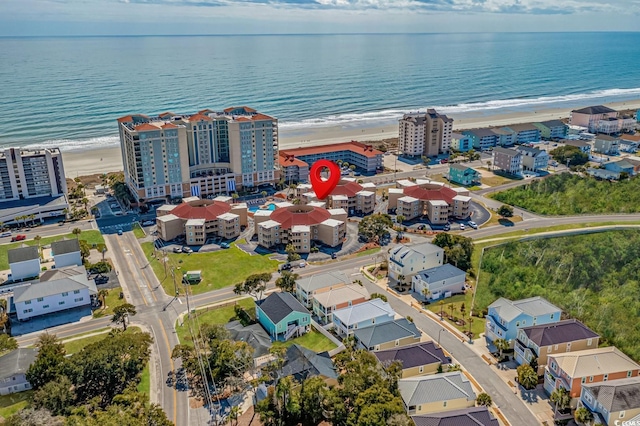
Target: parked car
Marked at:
177, 250
462, 227
18, 237
187, 249
334, 256
224, 245
302, 264
447, 227
6, 234
119, 231
285, 266
148, 223
473, 224
101, 279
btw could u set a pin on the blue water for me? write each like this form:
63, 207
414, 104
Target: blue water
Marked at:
270, 207
69, 91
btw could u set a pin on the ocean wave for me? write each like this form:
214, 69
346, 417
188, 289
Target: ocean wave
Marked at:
79, 144
385, 117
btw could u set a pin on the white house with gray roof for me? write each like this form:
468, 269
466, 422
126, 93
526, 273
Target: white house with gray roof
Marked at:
24, 262
66, 253
533, 159
614, 400
440, 282
409, 260
436, 393
57, 290
505, 317
308, 286
374, 311
13, 369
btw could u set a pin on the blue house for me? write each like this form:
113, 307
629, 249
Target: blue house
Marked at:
282, 316
505, 317
460, 142
482, 139
620, 166
525, 133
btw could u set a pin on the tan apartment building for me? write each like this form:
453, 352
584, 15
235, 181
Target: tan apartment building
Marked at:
425, 134
327, 300
429, 198
199, 220
418, 359
202, 154
542, 341
602, 119
301, 225
349, 195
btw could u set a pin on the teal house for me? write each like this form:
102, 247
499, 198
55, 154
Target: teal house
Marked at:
282, 316
463, 175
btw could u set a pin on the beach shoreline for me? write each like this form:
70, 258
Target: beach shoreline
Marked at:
106, 160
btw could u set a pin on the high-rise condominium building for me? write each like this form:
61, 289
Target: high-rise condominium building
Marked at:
425, 134
31, 173
202, 154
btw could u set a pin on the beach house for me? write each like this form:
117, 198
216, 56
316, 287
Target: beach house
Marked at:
474, 416
612, 403
13, 369
406, 261
525, 133
507, 160
606, 144
573, 369
307, 287
540, 341
66, 253
328, 300
463, 175
482, 139
439, 282
505, 317
533, 159
461, 142
582, 145
552, 129
505, 137
282, 316
387, 335
591, 116
302, 363
436, 393
24, 262
365, 314
419, 359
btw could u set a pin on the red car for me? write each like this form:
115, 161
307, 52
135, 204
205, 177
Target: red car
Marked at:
18, 238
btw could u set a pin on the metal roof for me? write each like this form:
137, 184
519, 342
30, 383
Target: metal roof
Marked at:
474, 416
440, 273
55, 284
593, 362
560, 332
617, 395
439, 387
65, 246
16, 362
533, 306
375, 308
386, 332
325, 279
414, 355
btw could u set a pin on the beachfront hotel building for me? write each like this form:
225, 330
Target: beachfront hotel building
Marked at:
32, 181
295, 163
602, 119
202, 154
300, 225
429, 198
199, 220
425, 134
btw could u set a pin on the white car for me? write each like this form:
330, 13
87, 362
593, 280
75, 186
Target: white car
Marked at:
473, 224
148, 223
462, 226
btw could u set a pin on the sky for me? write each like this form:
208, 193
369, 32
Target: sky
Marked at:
169, 17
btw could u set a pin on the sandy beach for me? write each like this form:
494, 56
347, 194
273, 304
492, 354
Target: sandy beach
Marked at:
103, 160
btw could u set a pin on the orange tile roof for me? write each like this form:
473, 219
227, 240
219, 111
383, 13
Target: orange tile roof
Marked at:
291, 216
245, 108
632, 138
146, 127
347, 187
243, 119
444, 193
353, 146
164, 114
206, 111
208, 212
290, 160
261, 117
125, 119
199, 117
169, 126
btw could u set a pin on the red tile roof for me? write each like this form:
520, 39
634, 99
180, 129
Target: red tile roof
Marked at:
245, 108
146, 127
347, 187
169, 126
291, 216
243, 119
125, 119
164, 114
290, 160
352, 146
203, 209
444, 193
206, 111
628, 137
199, 117
261, 117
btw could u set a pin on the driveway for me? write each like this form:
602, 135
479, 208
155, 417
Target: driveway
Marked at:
55, 319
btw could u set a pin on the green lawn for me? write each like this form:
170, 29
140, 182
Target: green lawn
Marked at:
112, 300
137, 231
368, 252
145, 381
213, 316
313, 340
92, 237
10, 404
73, 346
533, 231
219, 269
477, 326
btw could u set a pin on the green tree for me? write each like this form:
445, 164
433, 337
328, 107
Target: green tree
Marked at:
7, 343
85, 250
234, 413
583, 416
426, 292
527, 377
37, 239
101, 267
561, 399
400, 218
50, 363
379, 296
287, 281
374, 226
572, 153
254, 285
33, 417
102, 297
505, 211
484, 400
77, 232
457, 249
57, 396
501, 345
292, 255
122, 313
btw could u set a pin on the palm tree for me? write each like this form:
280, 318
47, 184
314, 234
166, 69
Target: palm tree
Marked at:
401, 280
584, 416
484, 400
501, 345
264, 194
426, 292
489, 164
102, 297
561, 398
441, 303
451, 308
85, 201
76, 232
527, 377
121, 314
37, 239
463, 310
234, 413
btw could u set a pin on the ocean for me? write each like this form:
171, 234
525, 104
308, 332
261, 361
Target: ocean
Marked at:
68, 91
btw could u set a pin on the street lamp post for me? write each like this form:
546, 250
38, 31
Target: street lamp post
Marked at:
439, 331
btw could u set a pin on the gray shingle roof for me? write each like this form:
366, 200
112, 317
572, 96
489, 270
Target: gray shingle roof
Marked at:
23, 254
552, 123
617, 395
278, 305
480, 133
65, 246
322, 280
533, 306
440, 273
439, 387
64, 281
16, 361
302, 363
386, 332
414, 355
535, 151
560, 332
459, 167
596, 109
474, 416
507, 151
523, 127
253, 334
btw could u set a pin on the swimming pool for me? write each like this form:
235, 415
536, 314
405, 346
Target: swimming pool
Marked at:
270, 206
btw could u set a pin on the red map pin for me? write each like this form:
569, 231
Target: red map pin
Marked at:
323, 187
